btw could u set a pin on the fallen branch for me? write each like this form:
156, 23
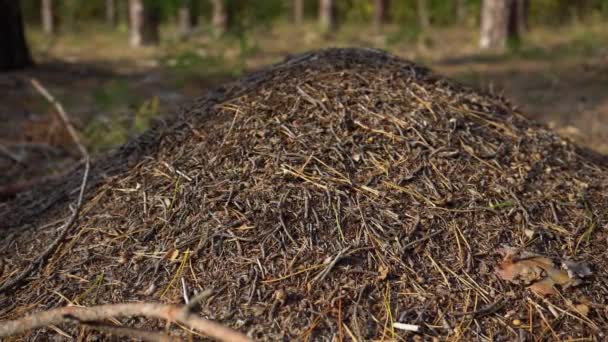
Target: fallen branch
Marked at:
62, 115
68, 224
60, 236
87, 315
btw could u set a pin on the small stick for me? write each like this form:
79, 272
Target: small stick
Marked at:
484, 311
86, 315
10, 154
51, 248
422, 239
62, 115
66, 227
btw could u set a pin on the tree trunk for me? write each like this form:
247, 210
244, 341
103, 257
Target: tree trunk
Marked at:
423, 15
518, 18
380, 13
145, 21
184, 19
460, 9
14, 53
195, 11
298, 11
494, 15
111, 13
327, 15
46, 8
219, 19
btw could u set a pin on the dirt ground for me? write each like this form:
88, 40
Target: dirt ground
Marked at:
112, 92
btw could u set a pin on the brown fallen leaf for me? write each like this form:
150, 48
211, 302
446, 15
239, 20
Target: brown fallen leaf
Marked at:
536, 271
583, 305
382, 272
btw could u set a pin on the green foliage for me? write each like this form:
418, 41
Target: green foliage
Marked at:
192, 61
117, 124
405, 34
112, 95
196, 63
105, 132
356, 10
116, 127
146, 112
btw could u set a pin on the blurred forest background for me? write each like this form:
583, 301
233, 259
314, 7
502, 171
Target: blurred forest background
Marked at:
118, 65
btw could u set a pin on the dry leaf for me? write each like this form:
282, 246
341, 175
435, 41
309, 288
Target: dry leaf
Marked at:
583, 309
583, 305
382, 272
172, 254
537, 271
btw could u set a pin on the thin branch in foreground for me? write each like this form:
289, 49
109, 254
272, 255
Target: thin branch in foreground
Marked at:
62, 115
72, 219
60, 236
85, 315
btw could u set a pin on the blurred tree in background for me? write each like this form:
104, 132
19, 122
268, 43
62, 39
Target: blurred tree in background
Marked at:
14, 52
499, 22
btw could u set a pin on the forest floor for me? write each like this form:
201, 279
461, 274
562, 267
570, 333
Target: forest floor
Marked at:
112, 92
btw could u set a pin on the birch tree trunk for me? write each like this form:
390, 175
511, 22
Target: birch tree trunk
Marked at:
111, 12
145, 21
380, 13
46, 8
219, 19
298, 11
184, 19
423, 15
494, 15
327, 15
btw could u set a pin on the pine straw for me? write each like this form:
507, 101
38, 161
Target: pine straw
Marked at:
328, 196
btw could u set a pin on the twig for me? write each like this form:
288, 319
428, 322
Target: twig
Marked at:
66, 227
4, 150
422, 239
484, 311
51, 248
319, 277
62, 115
171, 313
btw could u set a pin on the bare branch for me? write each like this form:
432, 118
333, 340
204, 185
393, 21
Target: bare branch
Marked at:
62, 115
171, 313
68, 224
60, 236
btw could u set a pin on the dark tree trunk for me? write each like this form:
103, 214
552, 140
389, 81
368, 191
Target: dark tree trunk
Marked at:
145, 20
111, 12
194, 13
494, 17
518, 18
327, 15
380, 12
298, 11
46, 12
219, 19
14, 53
